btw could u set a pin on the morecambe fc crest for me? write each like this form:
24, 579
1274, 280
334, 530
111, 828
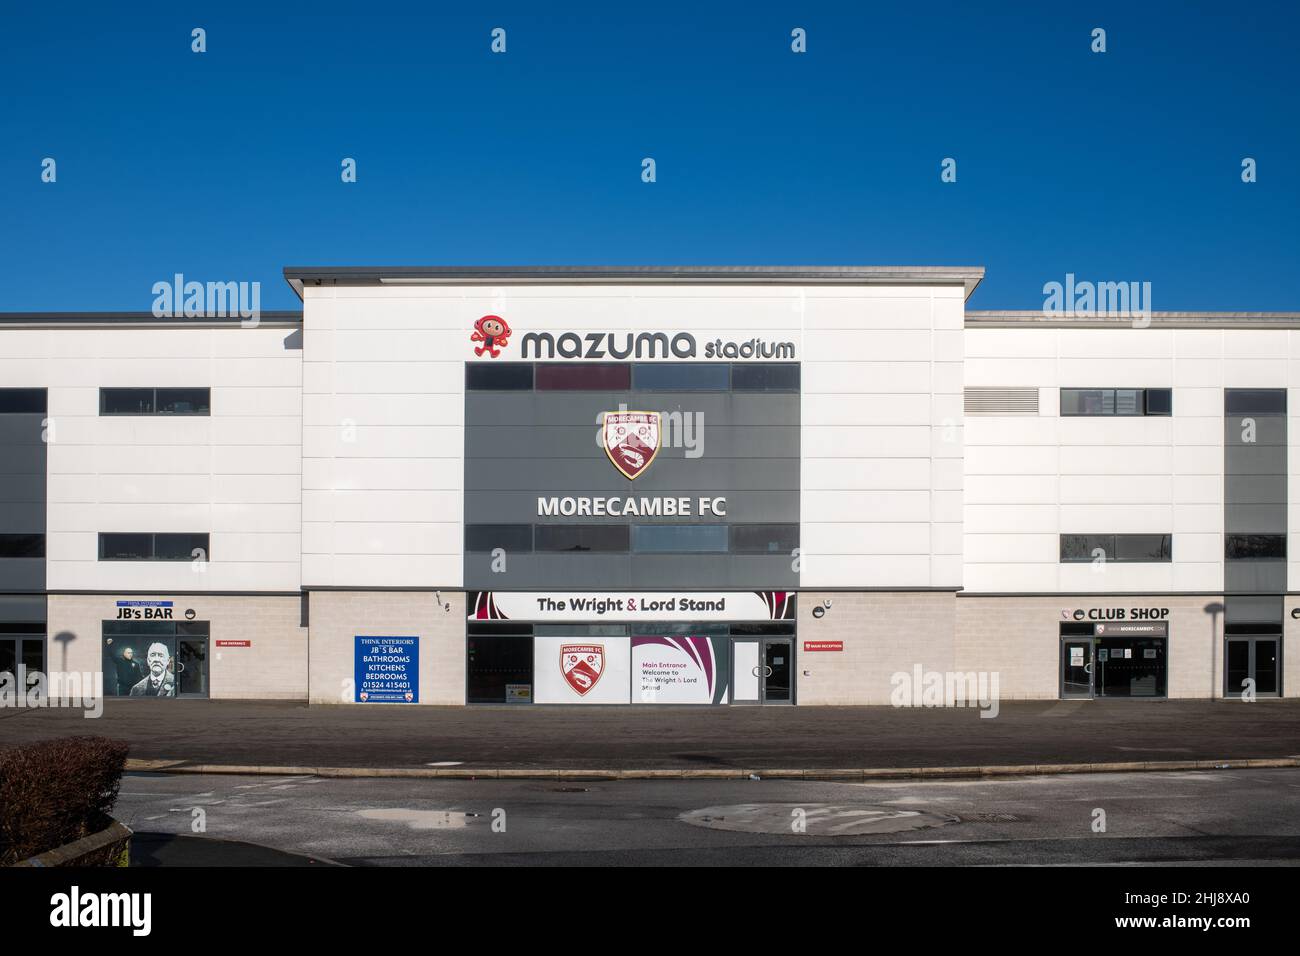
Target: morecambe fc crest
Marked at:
631, 441
582, 665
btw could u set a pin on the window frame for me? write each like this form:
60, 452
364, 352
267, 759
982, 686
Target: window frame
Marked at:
206, 547
154, 401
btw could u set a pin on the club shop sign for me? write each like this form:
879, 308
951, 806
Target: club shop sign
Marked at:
648, 346
1116, 614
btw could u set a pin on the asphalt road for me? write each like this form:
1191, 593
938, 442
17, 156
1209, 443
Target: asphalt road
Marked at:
1024, 732
1202, 817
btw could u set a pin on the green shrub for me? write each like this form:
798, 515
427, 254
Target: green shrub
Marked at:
56, 791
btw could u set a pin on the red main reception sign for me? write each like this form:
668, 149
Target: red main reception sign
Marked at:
823, 645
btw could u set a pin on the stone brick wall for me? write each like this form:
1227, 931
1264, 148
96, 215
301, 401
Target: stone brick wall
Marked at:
1020, 638
339, 617
883, 633
274, 667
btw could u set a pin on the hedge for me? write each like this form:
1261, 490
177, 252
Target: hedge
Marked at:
56, 791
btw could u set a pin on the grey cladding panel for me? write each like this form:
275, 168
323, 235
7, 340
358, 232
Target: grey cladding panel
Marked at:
522, 445
1254, 491
23, 462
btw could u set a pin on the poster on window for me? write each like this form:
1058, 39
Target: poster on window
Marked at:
581, 670
139, 666
677, 669
387, 670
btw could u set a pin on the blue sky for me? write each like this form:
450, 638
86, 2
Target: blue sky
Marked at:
1122, 166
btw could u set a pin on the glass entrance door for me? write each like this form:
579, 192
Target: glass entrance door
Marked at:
192, 667
27, 652
1076, 668
1257, 659
778, 671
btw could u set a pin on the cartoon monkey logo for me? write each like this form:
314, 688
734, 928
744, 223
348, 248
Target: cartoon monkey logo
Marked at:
493, 332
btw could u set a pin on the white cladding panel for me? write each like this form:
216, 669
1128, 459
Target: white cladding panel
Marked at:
234, 474
1030, 479
383, 407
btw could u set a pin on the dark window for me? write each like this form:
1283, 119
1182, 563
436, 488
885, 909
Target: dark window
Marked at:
155, 401
498, 670
180, 547
583, 537
764, 538
22, 545
1255, 400
775, 627
675, 377
1121, 548
1144, 548
489, 537
183, 401
507, 377
584, 377
1160, 401
22, 401
1116, 401
126, 401
1253, 547
679, 538
756, 377
138, 546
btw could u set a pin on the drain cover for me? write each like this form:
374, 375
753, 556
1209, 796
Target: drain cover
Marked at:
813, 819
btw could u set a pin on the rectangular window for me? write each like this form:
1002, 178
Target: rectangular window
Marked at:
680, 377
1120, 548
1245, 401
756, 377
583, 377
155, 401
679, 538
489, 537
22, 401
507, 377
183, 401
1126, 402
577, 538
764, 538
22, 545
498, 670
1255, 547
140, 546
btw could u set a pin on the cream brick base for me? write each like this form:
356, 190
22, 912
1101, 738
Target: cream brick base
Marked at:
339, 617
274, 667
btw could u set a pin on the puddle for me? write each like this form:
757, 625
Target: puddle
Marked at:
420, 819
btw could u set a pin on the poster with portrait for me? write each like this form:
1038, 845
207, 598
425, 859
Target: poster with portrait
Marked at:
137, 665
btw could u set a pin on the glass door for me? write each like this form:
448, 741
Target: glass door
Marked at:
26, 652
192, 667
778, 671
1076, 668
1257, 659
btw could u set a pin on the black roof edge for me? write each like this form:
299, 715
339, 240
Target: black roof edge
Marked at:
968, 276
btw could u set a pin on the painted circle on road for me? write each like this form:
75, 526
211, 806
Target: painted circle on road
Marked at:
814, 819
